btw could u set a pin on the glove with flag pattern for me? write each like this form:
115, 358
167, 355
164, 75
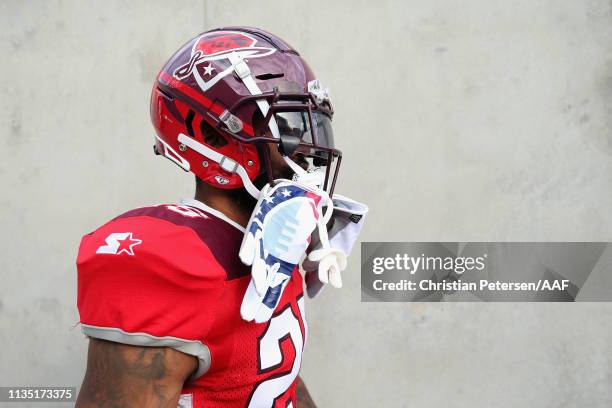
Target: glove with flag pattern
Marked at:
276, 238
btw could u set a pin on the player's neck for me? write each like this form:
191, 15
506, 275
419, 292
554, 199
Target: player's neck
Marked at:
237, 205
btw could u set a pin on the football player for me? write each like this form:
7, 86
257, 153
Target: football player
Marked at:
189, 304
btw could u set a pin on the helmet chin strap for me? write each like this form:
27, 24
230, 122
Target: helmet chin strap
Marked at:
226, 163
243, 71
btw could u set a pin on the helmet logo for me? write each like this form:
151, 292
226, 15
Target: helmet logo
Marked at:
233, 123
221, 180
218, 46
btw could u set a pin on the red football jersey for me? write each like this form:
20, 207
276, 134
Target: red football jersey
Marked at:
169, 275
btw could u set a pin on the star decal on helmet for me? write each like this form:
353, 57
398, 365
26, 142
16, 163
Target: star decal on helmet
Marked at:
208, 69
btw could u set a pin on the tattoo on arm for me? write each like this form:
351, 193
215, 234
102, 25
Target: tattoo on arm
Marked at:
119, 375
304, 400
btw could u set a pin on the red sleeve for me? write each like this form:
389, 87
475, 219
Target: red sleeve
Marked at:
147, 281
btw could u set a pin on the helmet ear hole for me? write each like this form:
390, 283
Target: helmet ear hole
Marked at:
189, 122
211, 136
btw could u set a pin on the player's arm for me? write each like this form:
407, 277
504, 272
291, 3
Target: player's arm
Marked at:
119, 375
304, 400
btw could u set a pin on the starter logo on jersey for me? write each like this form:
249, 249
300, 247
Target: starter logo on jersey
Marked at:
118, 243
214, 56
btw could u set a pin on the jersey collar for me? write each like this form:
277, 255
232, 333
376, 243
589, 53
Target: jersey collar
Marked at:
198, 204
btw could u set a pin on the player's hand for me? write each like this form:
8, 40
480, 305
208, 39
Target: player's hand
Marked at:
327, 260
276, 238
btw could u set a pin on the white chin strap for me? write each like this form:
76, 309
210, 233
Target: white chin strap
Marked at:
324, 219
244, 73
227, 164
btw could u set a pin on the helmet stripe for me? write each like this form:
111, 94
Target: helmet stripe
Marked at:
206, 103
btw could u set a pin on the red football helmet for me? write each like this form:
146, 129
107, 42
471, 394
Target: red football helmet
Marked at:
224, 79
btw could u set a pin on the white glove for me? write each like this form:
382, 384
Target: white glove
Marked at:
276, 238
327, 260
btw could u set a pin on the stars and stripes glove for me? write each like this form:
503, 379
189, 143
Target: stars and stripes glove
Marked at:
276, 239
327, 259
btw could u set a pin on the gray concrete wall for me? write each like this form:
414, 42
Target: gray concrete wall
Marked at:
480, 120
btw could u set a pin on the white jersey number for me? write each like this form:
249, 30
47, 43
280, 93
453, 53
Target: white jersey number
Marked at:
281, 326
